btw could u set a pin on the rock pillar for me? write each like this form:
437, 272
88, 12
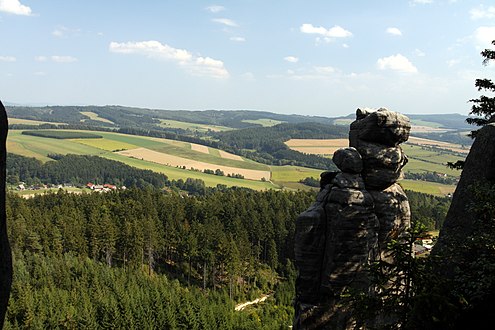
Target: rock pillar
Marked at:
357, 211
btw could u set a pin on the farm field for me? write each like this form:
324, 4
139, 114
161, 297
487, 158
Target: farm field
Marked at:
31, 122
95, 116
422, 157
438, 144
175, 161
167, 123
425, 159
31, 146
316, 146
177, 153
431, 188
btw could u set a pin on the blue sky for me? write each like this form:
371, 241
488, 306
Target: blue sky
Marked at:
306, 57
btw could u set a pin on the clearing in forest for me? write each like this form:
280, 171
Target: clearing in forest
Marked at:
95, 116
171, 160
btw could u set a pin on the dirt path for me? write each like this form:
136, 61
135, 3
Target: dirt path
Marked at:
242, 306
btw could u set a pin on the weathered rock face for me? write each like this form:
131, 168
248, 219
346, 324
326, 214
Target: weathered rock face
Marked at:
357, 211
5, 256
459, 223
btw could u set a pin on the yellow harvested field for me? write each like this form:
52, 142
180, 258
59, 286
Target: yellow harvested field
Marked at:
200, 148
228, 155
340, 143
105, 144
317, 146
438, 144
317, 150
31, 122
170, 160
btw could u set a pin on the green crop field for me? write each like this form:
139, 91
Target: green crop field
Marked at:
425, 159
166, 123
293, 173
106, 144
265, 122
37, 147
431, 188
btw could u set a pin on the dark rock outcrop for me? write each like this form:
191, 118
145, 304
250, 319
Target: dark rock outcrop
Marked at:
459, 223
5, 255
357, 212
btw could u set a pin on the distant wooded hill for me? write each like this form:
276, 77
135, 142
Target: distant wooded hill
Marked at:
128, 116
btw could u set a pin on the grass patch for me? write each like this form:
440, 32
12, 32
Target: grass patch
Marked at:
166, 123
293, 173
265, 122
425, 187
106, 144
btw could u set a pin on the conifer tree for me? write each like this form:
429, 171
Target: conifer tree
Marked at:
484, 106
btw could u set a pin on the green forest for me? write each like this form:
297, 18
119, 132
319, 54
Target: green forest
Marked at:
149, 259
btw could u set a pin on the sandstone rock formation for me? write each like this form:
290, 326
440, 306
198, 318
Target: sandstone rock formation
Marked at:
357, 211
5, 256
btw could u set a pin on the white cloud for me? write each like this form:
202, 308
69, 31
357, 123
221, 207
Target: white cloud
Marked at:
249, 76
291, 59
215, 8
40, 73
419, 53
225, 21
196, 65
7, 59
482, 12
238, 39
41, 59
394, 31
334, 32
484, 36
422, 2
345, 45
63, 59
396, 63
324, 70
14, 7
62, 32
453, 62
